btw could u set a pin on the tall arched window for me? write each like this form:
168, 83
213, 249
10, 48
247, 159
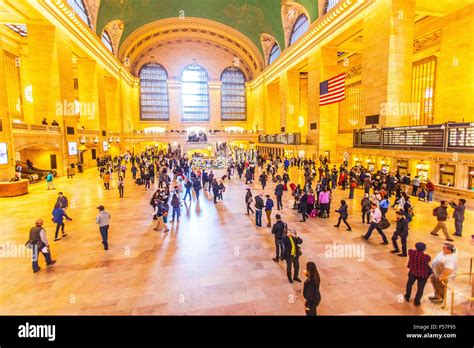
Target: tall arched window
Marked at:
195, 94
274, 53
329, 5
154, 103
300, 27
79, 7
107, 41
233, 95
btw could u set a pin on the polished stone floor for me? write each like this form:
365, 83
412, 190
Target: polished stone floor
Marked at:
214, 262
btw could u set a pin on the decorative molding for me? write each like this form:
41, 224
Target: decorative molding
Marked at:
196, 29
290, 11
92, 8
268, 41
115, 30
427, 41
354, 71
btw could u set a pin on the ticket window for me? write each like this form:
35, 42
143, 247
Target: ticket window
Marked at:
422, 172
402, 167
471, 179
447, 174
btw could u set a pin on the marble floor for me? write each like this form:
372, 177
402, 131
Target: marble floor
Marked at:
214, 262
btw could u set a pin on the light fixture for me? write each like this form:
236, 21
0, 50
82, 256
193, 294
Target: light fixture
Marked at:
301, 121
29, 93
382, 162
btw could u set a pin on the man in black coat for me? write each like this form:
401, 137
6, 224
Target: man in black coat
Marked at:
279, 230
279, 194
458, 215
402, 232
292, 254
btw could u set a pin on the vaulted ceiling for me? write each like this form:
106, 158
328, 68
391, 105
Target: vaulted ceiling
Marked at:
251, 17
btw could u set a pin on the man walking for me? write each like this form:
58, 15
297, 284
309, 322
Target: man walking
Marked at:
420, 270
103, 219
187, 186
258, 210
458, 215
375, 218
279, 229
39, 244
279, 194
268, 210
402, 232
441, 214
64, 204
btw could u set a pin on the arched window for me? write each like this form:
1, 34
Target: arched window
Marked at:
274, 53
300, 27
154, 104
233, 95
195, 94
107, 41
80, 9
329, 5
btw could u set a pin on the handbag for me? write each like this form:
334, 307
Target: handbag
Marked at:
29, 244
384, 224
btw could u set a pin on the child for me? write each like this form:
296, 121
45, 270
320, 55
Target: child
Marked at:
422, 195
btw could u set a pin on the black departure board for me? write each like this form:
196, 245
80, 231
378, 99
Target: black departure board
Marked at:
461, 135
370, 137
417, 136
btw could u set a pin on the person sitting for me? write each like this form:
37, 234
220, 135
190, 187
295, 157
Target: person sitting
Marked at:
44, 122
54, 123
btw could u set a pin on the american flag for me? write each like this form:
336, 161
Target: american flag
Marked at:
332, 90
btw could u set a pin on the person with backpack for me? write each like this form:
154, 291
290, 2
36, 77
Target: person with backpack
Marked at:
402, 232
38, 242
160, 211
279, 230
258, 210
176, 205
343, 215
365, 207
268, 210
311, 291
49, 181
248, 201
441, 214
279, 194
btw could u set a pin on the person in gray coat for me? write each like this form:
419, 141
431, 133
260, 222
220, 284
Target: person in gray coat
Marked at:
458, 215
343, 215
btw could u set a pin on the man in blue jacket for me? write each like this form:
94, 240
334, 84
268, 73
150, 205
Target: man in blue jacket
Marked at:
268, 210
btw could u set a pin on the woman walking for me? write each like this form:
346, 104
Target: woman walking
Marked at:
120, 186
248, 201
311, 289
343, 215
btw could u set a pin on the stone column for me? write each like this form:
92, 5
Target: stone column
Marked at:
215, 105
387, 60
174, 95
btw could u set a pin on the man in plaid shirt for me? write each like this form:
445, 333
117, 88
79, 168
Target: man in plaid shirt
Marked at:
420, 270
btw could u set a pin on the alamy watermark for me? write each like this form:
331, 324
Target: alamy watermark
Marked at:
340, 251
397, 109
75, 108
9, 250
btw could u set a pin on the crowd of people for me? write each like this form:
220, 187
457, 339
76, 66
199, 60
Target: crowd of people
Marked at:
197, 137
178, 181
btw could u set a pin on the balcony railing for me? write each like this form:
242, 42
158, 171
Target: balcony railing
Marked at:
35, 127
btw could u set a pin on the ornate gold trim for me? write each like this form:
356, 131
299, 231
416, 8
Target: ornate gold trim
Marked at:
427, 41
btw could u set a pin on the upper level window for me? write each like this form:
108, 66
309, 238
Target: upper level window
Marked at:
195, 94
300, 27
423, 85
107, 41
233, 95
154, 103
329, 5
274, 53
20, 29
79, 7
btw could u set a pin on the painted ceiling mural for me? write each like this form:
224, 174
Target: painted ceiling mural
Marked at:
251, 17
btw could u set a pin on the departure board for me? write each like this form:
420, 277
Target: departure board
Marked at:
461, 135
370, 137
282, 138
422, 136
